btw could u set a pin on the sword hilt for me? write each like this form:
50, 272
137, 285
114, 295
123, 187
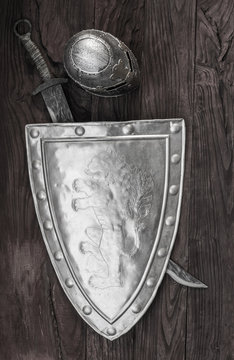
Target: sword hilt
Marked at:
49, 83
32, 49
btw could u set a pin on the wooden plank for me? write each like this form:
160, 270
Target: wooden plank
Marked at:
122, 19
69, 17
26, 324
167, 91
210, 321
37, 321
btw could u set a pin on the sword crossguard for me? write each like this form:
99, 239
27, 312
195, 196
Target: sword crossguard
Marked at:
49, 83
51, 89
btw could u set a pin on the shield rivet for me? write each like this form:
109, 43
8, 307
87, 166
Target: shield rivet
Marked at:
128, 129
162, 252
41, 195
136, 308
173, 189
175, 159
36, 164
58, 255
69, 282
34, 133
111, 331
150, 282
170, 220
79, 130
175, 128
48, 225
87, 310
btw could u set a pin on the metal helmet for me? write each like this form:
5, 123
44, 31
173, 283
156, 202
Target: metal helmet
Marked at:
101, 64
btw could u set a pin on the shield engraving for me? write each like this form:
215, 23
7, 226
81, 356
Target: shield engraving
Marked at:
107, 198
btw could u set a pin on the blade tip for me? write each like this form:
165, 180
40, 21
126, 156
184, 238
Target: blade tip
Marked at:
203, 286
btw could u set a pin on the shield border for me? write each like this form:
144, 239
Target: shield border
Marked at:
173, 131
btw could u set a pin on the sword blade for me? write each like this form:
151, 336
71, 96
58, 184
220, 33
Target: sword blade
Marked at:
56, 104
50, 89
183, 277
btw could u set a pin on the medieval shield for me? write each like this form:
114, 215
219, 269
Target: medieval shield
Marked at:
107, 197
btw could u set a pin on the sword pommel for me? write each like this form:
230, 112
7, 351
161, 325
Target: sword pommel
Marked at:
51, 89
32, 49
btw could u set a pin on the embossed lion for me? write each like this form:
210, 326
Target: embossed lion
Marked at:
120, 196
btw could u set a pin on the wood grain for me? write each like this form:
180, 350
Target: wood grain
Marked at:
167, 91
31, 298
26, 326
210, 336
122, 19
185, 51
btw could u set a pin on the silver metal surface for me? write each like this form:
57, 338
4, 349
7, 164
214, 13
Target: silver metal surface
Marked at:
104, 217
102, 191
174, 189
182, 277
58, 255
170, 220
162, 252
56, 104
80, 130
175, 159
150, 282
101, 64
51, 89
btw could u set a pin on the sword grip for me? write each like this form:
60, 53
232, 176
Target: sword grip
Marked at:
33, 50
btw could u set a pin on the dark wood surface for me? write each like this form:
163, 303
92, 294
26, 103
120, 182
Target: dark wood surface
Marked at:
185, 51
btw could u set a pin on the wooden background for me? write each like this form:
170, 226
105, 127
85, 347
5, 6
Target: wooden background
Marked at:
185, 49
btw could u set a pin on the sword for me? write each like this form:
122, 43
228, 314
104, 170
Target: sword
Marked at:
51, 89
183, 277
59, 111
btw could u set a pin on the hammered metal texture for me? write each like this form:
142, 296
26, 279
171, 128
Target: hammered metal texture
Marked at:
110, 214
101, 64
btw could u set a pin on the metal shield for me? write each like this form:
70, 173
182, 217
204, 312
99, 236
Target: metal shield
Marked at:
107, 197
